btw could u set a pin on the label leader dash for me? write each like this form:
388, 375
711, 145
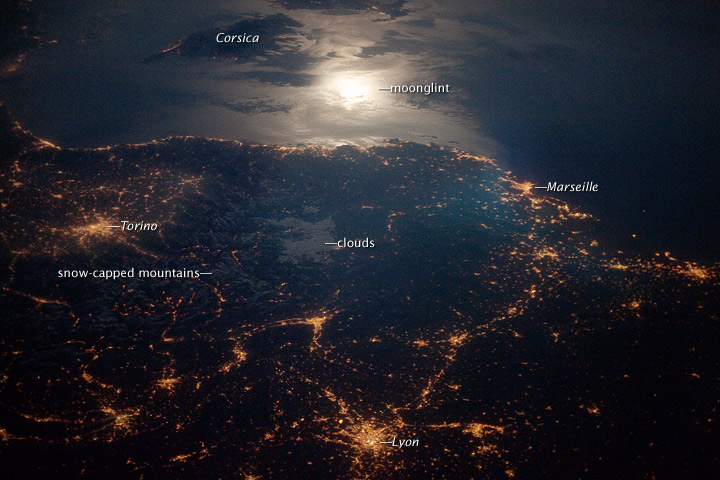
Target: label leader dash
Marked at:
571, 187
426, 89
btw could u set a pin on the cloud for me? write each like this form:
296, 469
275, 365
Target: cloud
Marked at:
393, 8
275, 34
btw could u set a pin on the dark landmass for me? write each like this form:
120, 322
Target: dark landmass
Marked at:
491, 324
257, 105
276, 37
20, 32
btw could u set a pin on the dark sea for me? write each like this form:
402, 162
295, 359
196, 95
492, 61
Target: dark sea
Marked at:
624, 95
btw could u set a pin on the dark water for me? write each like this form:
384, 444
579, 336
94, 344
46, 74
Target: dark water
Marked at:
626, 96
622, 95
500, 329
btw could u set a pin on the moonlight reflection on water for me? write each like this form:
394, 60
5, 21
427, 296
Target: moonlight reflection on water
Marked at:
336, 267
